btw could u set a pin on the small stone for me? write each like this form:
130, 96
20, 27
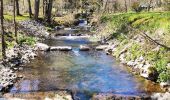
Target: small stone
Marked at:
131, 63
20, 76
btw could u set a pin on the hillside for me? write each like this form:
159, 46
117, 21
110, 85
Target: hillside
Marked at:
140, 40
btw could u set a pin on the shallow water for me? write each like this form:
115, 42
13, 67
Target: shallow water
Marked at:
82, 72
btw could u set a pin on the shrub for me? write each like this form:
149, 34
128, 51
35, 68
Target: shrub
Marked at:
164, 76
26, 40
161, 65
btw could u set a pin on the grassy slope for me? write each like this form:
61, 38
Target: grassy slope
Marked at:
155, 24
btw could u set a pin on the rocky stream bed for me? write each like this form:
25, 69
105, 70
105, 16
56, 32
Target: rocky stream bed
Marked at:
18, 56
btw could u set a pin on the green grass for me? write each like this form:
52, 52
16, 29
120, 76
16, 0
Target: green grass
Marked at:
18, 18
157, 24
144, 21
28, 40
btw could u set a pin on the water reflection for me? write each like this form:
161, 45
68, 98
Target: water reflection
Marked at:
84, 73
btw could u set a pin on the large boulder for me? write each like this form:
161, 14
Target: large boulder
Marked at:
42, 47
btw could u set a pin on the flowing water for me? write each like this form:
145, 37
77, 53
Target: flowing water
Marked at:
82, 72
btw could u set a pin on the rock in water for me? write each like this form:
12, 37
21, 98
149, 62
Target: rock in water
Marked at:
61, 48
84, 48
42, 47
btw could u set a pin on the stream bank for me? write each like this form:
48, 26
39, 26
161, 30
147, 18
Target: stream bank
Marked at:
17, 55
13, 63
137, 41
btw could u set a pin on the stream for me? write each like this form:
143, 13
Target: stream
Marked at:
82, 72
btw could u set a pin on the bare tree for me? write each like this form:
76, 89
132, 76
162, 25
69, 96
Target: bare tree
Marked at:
36, 9
17, 7
48, 10
14, 20
44, 7
29, 8
2, 30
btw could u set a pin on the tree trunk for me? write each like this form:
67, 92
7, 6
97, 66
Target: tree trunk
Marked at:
15, 26
17, 7
126, 9
36, 9
30, 9
43, 7
48, 10
2, 30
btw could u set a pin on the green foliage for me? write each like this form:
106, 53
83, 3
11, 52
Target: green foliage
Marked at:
160, 59
164, 76
160, 65
10, 44
151, 56
120, 48
135, 51
104, 19
29, 40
